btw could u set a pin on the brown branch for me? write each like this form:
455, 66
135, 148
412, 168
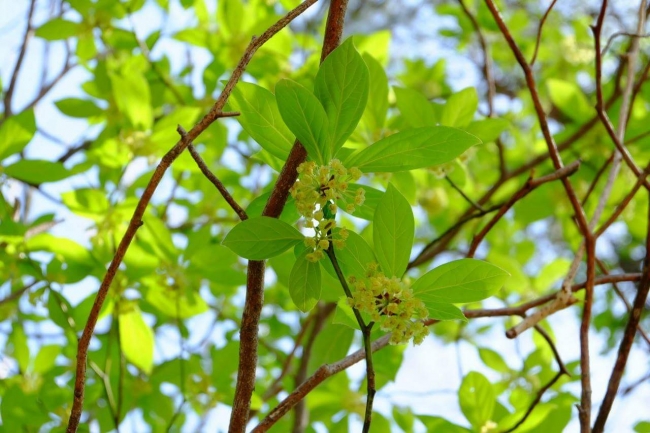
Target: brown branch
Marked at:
323, 372
214, 179
301, 416
529, 186
255, 276
21, 56
627, 340
594, 182
18, 293
539, 31
136, 220
465, 196
618, 34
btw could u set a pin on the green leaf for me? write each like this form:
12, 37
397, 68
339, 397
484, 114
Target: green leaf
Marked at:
133, 97
344, 315
57, 29
415, 108
440, 425
460, 281
331, 345
367, 210
487, 130
393, 230
261, 118
413, 148
353, 258
46, 358
477, 398
460, 108
306, 118
230, 17
37, 171
136, 337
173, 301
16, 132
377, 106
261, 238
79, 108
442, 311
21, 348
305, 283
493, 360
570, 99
642, 427
342, 87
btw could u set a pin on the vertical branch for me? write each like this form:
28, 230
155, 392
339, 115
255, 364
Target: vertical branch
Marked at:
255, 276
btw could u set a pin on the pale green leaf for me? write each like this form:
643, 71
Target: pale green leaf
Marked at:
57, 29
342, 87
367, 210
16, 132
21, 348
487, 130
353, 258
133, 97
261, 118
136, 338
393, 232
79, 108
46, 358
415, 108
570, 99
413, 148
377, 106
173, 301
493, 359
306, 118
331, 344
460, 281
305, 283
37, 171
261, 238
477, 399
442, 311
460, 108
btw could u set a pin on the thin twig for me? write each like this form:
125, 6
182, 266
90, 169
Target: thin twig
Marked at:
465, 196
529, 186
539, 31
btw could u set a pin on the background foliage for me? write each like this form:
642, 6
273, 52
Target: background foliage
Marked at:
164, 356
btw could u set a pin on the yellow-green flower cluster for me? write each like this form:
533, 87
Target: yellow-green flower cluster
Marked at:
390, 304
316, 192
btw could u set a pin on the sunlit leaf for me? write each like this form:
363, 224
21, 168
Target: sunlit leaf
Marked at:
393, 232
305, 283
261, 238
136, 337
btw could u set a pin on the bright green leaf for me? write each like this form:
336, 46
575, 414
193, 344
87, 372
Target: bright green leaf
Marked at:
488, 130
415, 108
21, 348
306, 118
460, 281
16, 132
393, 232
570, 99
133, 97
413, 148
37, 171
460, 108
442, 311
261, 118
261, 238
57, 29
342, 87
46, 358
367, 210
305, 283
172, 301
136, 338
353, 258
493, 360
377, 106
477, 399
80, 108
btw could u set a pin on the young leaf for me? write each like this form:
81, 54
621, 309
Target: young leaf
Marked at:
460, 108
305, 117
342, 87
353, 258
16, 132
46, 358
261, 238
79, 108
133, 97
460, 281
305, 283
37, 171
261, 118
136, 338
57, 29
392, 232
477, 399
442, 311
377, 106
413, 148
367, 210
415, 108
